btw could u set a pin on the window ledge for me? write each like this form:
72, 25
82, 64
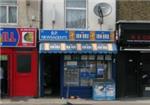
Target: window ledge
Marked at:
8, 24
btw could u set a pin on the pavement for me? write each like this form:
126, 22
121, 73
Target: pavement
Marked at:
79, 101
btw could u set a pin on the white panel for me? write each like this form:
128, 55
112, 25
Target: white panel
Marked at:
109, 21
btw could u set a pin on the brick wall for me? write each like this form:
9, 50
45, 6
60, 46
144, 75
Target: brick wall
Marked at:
133, 10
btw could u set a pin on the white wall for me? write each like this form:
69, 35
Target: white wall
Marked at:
109, 21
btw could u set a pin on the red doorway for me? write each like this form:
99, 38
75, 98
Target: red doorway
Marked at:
25, 74
22, 71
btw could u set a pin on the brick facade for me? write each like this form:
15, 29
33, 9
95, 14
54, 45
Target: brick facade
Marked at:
133, 10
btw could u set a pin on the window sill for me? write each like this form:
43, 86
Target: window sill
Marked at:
8, 24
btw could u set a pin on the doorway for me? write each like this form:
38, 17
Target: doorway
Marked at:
145, 74
132, 74
51, 75
4, 81
128, 74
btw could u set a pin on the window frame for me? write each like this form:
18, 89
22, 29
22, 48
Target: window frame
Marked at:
24, 71
8, 5
76, 8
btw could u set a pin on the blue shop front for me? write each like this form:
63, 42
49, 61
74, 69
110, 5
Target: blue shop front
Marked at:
72, 61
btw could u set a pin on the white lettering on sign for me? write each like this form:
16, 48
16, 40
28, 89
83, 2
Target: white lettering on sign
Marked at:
102, 36
54, 37
82, 36
54, 32
71, 46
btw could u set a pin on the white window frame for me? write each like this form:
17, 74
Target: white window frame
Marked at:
7, 13
76, 8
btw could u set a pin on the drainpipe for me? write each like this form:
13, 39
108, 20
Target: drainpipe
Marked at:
39, 56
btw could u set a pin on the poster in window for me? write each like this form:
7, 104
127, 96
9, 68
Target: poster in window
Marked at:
27, 37
84, 57
67, 57
100, 72
100, 57
91, 57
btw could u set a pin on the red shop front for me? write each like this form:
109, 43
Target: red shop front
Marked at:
19, 61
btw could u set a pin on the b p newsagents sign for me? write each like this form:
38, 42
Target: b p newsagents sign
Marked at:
54, 35
68, 35
18, 37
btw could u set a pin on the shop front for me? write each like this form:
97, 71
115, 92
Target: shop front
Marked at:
18, 59
71, 61
133, 61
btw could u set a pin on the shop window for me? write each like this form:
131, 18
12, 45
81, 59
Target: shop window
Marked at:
82, 70
8, 11
74, 7
24, 63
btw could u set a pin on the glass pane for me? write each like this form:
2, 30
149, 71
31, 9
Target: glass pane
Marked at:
9, 1
24, 63
2, 14
12, 14
76, 19
76, 3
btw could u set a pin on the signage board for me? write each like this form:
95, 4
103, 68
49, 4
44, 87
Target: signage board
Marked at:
69, 35
53, 35
58, 46
18, 37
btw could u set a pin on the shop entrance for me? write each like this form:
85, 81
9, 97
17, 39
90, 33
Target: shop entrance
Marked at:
51, 75
133, 74
129, 74
4, 81
145, 74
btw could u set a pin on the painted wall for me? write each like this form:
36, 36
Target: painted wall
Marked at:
28, 14
92, 24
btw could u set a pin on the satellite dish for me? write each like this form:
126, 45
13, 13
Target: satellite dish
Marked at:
104, 7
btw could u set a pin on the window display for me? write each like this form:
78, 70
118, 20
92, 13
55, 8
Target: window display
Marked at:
81, 70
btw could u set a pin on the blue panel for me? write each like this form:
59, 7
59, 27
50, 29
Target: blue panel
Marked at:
102, 35
41, 76
53, 35
82, 35
9, 37
82, 92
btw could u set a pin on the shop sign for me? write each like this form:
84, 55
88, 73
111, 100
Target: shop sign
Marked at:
53, 35
55, 46
87, 46
76, 46
102, 35
69, 35
70, 46
17, 37
82, 35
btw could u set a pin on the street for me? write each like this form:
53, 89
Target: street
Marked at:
57, 101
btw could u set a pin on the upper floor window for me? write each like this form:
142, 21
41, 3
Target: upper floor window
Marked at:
8, 11
76, 13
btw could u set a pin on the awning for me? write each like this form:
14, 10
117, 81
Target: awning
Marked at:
78, 47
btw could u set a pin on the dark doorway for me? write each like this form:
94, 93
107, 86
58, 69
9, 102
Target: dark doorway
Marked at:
128, 74
4, 81
132, 74
145, 74
52, 75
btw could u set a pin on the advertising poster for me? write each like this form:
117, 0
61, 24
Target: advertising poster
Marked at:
18, 37
100, 72
110, 90
99, 91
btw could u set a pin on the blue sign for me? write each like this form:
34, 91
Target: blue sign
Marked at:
102, 35
54, 35
82, 35
8, 37
68, 35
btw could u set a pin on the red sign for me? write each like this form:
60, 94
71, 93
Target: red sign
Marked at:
18, 37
